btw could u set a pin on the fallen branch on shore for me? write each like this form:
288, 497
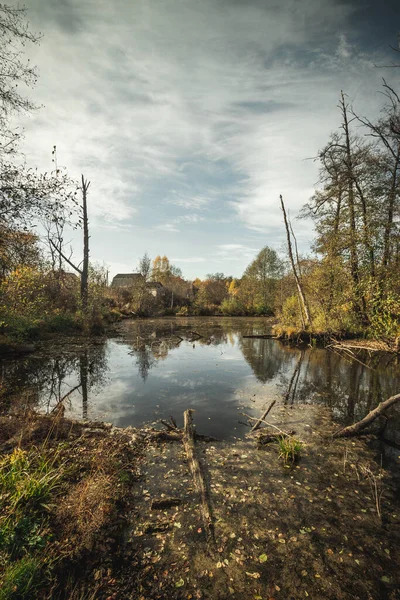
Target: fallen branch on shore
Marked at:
198, 478
267, 438
261, 419
370, 418
281, 432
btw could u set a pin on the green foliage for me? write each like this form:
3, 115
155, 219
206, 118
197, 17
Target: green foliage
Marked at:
28, 481
289, 449
385, 315
21, 579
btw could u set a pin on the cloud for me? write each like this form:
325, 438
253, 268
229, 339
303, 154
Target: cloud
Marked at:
195, 259
207, 107
168, 227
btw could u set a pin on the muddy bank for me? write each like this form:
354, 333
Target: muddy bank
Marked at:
326, 527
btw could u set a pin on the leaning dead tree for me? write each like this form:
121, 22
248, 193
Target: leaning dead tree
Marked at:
83, 271
304, 310
370, 418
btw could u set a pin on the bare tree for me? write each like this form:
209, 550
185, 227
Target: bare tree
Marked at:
305, 313
83, 267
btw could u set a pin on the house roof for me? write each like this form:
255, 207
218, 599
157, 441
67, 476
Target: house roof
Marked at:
128, 276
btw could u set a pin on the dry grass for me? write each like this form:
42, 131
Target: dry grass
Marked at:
86, 509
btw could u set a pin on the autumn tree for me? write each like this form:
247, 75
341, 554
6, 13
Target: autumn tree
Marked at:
259, 283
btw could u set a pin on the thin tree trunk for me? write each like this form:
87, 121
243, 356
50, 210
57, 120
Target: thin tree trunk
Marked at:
390, 214
354, 266
85, 264
296, 276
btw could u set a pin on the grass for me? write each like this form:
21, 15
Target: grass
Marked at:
289, 449
63, 494
28, 481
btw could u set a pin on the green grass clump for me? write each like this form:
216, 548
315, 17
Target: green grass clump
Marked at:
20, 579
28, 481
289, 449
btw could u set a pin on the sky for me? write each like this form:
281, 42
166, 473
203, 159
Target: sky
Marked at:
191, 118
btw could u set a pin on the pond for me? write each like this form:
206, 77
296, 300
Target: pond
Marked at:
160, 367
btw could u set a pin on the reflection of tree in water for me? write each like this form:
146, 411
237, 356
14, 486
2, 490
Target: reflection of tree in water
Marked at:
144, 361
266, 357
350, 386
43, 380
154, 342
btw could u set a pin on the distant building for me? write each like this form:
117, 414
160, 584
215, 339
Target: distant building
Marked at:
124, 280
155, 288
131, 280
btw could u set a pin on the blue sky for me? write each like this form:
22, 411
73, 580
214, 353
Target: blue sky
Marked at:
190, 118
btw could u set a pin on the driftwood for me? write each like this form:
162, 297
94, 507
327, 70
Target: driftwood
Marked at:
196, 471
261, 419
370, 418
175, 434
281, 432
164, 503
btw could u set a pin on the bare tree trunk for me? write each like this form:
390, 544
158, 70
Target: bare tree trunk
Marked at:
354, 266
85, 264
296, 276
84, 271
390, 214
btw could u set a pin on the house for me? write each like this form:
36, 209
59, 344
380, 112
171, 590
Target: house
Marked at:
132, 280
126, 280
156, 288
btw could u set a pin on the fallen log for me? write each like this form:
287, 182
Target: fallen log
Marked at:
198, 478
370, 418
261, 419
261, 336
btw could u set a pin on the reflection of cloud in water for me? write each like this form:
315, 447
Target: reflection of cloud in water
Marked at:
121, 381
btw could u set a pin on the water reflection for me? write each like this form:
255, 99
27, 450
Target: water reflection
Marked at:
161, 367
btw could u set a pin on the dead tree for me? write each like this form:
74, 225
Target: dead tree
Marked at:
305, 313
84, 270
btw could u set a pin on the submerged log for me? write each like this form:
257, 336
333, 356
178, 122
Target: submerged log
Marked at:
370, 418
196, 471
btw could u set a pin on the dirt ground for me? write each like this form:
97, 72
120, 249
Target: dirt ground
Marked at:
326, 527
310, 530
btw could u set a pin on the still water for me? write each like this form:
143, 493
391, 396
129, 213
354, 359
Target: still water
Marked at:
161, 367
